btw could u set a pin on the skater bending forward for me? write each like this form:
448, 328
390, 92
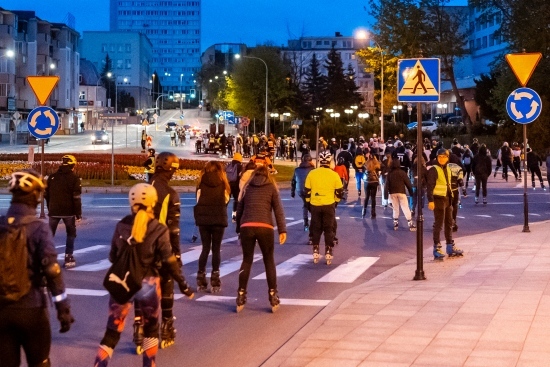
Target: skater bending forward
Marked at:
152, 239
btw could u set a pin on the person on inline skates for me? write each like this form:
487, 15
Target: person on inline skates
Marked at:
152, 238
440, 197
297, 185
258, 200
323, 190
210, 214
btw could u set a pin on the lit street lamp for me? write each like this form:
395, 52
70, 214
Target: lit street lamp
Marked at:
274, 115
266, 88
396, 108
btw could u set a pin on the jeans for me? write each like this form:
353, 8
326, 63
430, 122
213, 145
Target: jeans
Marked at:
211, 238
234, 186
443, 214
359, 176
70, 226
264, 236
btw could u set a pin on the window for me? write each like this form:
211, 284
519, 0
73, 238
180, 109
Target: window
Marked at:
120, 47
346, 44
491, 39
472, 42
318, 43
104, 48
484, 42
128, 47
3, 90
498, 18
82, 95
120, 64
111, 48
326, 43
306, 44
478, 43
128, 63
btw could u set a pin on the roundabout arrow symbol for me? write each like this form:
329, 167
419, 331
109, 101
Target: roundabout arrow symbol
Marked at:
516, 113
534, 107
521, 95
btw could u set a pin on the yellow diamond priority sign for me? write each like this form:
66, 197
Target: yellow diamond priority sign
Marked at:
42, 86
523, 65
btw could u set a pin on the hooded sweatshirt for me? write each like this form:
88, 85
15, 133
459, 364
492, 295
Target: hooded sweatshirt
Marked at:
211, 207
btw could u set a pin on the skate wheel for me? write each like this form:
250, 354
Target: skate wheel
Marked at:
163, 344
274, 308
139, 350
240, 308
215, 289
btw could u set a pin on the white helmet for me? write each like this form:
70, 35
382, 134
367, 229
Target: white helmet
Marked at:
324, 157
143, 194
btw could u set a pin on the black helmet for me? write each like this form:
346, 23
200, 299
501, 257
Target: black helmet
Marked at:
151, 151
26, 181
442, 151
167, 161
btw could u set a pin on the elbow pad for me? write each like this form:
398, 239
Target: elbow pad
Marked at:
52, 270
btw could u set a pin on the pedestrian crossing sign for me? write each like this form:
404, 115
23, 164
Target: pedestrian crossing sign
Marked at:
418, 80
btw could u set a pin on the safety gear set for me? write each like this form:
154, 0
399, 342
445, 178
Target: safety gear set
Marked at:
167, 161
27, 180
68, 159
143, 194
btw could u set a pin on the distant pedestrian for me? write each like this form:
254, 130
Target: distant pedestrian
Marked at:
149, 164
482, 167
396, 183
143, 140
63, 196
533, 163
372, 177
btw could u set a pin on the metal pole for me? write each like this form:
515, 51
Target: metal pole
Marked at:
525, 202
382, 96
42, 214
317, 144
295, 142
419, 273
113, 153
266, 89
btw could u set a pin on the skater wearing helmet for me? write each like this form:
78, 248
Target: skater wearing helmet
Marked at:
152, 239
323, 190
149, 164
297, 184
24, 316
440, 196
258, 202
167, 211
64, 203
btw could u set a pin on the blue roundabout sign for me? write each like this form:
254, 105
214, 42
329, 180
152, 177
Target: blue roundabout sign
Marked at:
524, 105
43, 122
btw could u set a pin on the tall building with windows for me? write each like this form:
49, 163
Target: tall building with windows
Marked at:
174, 28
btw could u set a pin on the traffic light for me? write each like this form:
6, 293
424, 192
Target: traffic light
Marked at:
192, 92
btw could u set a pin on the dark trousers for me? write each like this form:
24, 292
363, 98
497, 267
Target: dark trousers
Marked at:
481, 182
505, 166
234, 186
323, 220
264, 236
535, 170
370, 192
414, 198
28, 328
443, 214
70, 226
467, 173
305, 211
167, 291
211, 238
456, 198
517, 165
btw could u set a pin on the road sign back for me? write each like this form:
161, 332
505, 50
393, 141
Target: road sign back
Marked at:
523, 65
42, 86
418, 80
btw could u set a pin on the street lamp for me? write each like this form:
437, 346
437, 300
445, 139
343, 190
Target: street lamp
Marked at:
348, 112
274, 115
266, 87
285, 115
396, 108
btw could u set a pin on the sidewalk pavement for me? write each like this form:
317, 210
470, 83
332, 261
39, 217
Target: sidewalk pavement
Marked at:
488, 308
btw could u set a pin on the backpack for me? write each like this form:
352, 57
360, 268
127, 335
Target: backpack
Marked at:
231, 172
360, 161
124, 277
15, 281
466, 159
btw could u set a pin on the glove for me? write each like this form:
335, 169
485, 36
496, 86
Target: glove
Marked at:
431, 205
186, 289
64, 315
78, 218
292, 194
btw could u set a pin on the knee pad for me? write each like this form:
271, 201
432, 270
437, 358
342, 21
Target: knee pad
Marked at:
111, 338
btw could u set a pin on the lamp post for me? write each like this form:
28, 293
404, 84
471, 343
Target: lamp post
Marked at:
285, 115
274, 115
348, 112
266, 88
396, 109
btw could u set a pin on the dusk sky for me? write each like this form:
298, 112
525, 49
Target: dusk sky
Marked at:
241, 21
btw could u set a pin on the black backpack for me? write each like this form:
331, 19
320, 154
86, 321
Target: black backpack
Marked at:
15, 279
232, 172
124, 277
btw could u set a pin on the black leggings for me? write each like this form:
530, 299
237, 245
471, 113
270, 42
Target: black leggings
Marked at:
264, 236
211, 238
28, 328
235, 193
370, 192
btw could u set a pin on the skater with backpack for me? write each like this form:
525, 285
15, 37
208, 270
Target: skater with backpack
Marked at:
210, 214
138, 242
27, 256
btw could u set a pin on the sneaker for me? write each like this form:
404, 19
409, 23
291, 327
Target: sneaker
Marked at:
542, 186
194, 238
476, 200
412, 227
234, 217
69, 261
359, 193
438, 252
274, 300
241, 299
484, 201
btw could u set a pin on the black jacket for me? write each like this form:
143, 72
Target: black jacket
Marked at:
211, 208
482, 165
397, 180
42, 254
63, 193
168, 195
299, 178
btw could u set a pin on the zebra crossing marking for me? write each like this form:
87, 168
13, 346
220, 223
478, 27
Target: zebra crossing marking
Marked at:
288, 267
350, 271
83, 251
284, 301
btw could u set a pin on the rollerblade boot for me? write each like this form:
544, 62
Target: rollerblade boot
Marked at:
412, 227
484, 200
542, 186
306, 225
335, 241
363, 212
274, 300
316, 254
476, 200
241, 299
438, 252
194, 238
167, 332
395, 224
188, 291
69, 261
328, 255
215, 282
202, 284
234, 217
373, 214
453, 251
138, 334
533, 185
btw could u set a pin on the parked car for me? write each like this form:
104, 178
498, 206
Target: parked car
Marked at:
455, 120
101, 137
430, 126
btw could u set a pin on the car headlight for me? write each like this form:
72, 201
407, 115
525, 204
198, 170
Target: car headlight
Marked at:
104, 137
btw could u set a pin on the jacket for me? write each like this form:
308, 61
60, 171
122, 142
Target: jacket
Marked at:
397, 180
63, 193
482, 165
211, 207
433, 176
42, 254
323, 187
167, 209
299, 178
533, 159
260, 198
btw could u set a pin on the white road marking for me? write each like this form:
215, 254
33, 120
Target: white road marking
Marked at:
232, 265
508, 215
95, 266
86, 292
350, 271
535, 214
83, 251
284, 301
482, 216
289, 267
190, 256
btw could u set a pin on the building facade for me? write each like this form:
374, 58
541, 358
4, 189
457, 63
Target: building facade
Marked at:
174, 28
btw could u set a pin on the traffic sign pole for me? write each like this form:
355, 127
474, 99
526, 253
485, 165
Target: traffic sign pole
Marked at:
419, 273
525, 201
